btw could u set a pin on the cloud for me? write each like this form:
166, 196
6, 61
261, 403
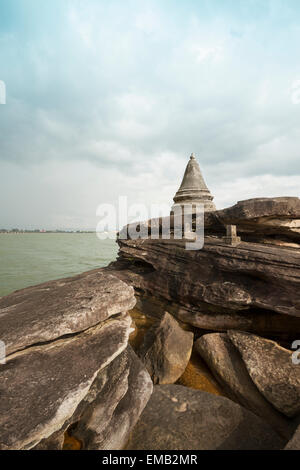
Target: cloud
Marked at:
114, 96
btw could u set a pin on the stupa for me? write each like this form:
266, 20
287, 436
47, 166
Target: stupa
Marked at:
193, 189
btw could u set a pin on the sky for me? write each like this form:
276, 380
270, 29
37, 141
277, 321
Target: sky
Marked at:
108, 98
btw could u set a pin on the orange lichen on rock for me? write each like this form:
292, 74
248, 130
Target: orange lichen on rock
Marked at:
198, 376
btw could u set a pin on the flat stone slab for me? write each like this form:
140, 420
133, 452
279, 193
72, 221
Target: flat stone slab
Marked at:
58, 308
179, 418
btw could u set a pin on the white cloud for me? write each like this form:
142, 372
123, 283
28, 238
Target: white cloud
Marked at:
207, 53
229, 192
112, 97
148, 21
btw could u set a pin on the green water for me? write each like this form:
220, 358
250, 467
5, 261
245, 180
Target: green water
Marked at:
29, 259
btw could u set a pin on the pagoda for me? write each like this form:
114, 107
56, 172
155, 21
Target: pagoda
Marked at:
193, 189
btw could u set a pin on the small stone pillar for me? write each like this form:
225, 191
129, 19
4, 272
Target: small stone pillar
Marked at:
231, 236
188, 233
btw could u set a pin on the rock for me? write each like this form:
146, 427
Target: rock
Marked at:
265, 218
271, 369
54, 442
179, 418
294, 443
166, 350
42, 386
114, 404
59, 308
252, 287
226, 363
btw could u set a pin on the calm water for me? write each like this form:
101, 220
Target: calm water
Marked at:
29, 259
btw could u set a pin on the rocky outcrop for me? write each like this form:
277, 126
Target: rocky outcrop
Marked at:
59, 308
166, 350
71, 381
271, 220
114, 403
225, 361
249, 287
68, 334
42, 386
179, 418
275, 221
272, 370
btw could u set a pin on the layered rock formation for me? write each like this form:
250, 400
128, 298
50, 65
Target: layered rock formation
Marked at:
253, 286
266, 220
228, 291
249, 287
72, 381
62, 339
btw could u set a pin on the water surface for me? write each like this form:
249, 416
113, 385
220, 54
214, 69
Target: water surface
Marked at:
31, 258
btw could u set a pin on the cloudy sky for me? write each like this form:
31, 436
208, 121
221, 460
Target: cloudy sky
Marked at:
110, 97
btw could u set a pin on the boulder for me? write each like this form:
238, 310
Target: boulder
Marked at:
277, 217
294, 443
166, 350
179, 418
225, 362
42, 386
114, 404
252, 287
59, 308
272, 370
258, 208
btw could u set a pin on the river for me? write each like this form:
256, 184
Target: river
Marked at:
32, 258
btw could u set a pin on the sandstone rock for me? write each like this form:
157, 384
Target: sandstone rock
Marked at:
42, 386
114, 403
179, 418
54, 442
252, 285
294, 443
278, 217
226, 363
59, 308
166, 350
272, 370
254, 209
